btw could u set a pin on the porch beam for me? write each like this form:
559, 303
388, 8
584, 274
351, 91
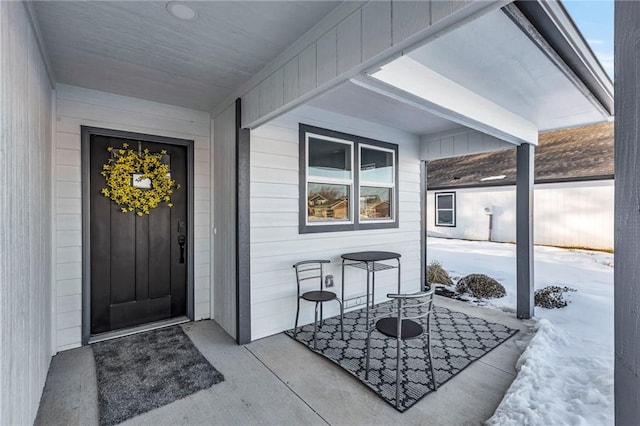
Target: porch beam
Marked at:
354, 38
410, 82
627, 215
524, 230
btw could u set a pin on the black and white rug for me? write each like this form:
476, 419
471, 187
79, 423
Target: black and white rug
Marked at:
457, 340
144, 371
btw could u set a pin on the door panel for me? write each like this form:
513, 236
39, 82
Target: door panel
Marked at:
122, 256
137, 275
160, 249
142, 254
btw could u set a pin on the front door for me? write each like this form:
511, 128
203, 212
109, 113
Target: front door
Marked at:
138, 263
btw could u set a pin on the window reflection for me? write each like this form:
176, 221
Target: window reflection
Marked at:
375, 203
327, 202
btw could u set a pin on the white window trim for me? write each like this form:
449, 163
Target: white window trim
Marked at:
391, 185
327, 180
452, 209
355, 223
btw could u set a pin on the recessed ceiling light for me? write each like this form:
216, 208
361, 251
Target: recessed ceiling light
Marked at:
181, 11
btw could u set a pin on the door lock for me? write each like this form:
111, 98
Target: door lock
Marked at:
181, 242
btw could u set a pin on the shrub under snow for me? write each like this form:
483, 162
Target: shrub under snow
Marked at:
480, 286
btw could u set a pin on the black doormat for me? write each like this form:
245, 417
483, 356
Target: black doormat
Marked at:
144, 371
457, 341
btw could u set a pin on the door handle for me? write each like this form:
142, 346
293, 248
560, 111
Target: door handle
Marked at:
181, 242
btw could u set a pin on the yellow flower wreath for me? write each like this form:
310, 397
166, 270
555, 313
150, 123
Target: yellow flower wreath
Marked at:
119, 172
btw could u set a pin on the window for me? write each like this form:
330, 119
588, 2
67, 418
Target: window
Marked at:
445, 209
329, 179
336, 169
376, 183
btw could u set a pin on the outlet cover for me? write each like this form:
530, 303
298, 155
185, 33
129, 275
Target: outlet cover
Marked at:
328, 281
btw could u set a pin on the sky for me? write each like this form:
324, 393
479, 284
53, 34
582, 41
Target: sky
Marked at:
594, 18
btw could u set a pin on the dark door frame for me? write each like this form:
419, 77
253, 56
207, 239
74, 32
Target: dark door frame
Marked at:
86, 133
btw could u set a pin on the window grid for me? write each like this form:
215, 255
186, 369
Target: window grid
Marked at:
330, 181
373, 184
439, 209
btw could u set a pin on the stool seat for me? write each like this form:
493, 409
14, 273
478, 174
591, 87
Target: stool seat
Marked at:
389, 327
319, 296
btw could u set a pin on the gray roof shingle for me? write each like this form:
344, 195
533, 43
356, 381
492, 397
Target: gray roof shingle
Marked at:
580, 153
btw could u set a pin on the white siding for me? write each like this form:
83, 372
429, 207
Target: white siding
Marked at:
25, 217
456, 143
77, 107
275, 242
572, 214
224, 203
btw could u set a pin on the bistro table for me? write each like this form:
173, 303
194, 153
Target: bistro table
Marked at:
370, 261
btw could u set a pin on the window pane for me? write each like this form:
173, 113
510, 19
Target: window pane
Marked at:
445, 217
375, 203
329, 159
445, 202
327, 202
376, 166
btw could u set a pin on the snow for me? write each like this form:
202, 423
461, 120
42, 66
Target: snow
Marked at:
565, 377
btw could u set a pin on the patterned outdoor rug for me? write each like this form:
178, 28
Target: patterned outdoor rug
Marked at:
144, 371
457, 340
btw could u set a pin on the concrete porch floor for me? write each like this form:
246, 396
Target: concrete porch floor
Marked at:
277, 381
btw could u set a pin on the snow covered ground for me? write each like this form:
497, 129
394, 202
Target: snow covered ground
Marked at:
566, 374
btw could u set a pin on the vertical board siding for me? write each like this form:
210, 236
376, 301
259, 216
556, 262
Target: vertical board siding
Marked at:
25, 209
275, 242
306, 79
327, 57
376, 28
290, 77
371, 30
349, 43
409, 17
572, 214
224, 213
460, 143
442, 9
76, 107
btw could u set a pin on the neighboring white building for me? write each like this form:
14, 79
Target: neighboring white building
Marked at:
473, 197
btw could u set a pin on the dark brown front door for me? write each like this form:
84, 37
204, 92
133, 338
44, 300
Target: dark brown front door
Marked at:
138, 263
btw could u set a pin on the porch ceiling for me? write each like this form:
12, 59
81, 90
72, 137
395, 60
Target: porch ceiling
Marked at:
487, 75
137, 49
355, 101
494, 58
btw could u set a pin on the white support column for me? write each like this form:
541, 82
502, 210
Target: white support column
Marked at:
423, 224
524, 230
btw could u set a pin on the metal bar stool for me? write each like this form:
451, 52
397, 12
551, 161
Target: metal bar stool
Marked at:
402, 327
310, 270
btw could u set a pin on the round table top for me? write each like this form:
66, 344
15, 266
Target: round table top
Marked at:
371, 256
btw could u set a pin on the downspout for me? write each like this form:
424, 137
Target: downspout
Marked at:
489, 212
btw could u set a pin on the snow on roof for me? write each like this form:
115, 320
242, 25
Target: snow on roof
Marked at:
579, 153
